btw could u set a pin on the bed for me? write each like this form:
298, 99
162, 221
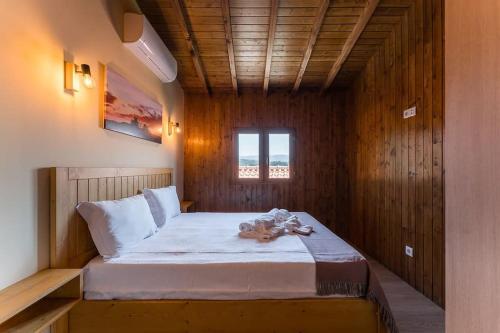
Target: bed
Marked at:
196, 275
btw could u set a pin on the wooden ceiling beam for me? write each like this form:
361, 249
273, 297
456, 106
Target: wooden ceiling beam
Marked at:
273, 19
351, 41
229, 42
318, 22
183, 21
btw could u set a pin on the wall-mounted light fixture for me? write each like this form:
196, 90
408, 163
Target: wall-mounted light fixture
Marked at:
173, 127
72, 73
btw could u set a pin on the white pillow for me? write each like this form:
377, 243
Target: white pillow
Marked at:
163, 202
118, 225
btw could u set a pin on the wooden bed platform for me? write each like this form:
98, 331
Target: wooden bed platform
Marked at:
72, 247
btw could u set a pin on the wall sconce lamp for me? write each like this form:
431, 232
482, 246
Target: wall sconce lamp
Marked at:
72, 73
173, 127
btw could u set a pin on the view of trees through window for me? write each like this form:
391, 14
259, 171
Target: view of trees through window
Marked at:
278, 149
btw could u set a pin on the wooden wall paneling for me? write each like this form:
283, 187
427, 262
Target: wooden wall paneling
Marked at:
405, 235
427, 135
372, 214
419, 149
208, 151
388, 114
398, 157
437, 156
401, 157
411, 144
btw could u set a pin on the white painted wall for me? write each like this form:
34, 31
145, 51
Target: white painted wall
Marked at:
42, 126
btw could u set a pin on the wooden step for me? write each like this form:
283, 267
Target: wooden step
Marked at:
412, 311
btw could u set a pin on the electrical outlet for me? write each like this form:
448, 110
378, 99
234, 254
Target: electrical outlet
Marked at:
411, 112
409, 251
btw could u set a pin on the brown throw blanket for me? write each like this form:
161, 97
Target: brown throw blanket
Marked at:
340, 269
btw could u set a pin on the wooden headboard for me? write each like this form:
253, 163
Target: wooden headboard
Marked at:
71, 245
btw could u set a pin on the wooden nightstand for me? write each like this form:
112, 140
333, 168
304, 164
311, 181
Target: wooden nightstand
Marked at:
36, 302
186, 206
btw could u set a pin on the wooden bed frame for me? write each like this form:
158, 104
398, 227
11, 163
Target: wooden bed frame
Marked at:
71, 246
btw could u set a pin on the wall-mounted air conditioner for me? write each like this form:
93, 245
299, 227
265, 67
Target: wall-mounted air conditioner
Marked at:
140, 38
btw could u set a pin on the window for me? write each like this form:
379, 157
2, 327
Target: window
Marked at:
279, 155
248, 155
263, 154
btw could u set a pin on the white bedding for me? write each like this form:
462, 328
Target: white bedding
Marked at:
200, 256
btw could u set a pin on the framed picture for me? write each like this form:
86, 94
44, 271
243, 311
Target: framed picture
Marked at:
129, 110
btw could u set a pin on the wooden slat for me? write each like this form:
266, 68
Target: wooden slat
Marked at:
110, 190
312, 41
438, 271
102, 189
401, 158
191, 42
351, 41
89, 173
229, 42
273, 18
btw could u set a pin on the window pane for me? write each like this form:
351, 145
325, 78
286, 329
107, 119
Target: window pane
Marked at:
248, 149
279, 155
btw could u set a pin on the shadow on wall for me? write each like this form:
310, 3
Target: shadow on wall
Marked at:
43, 217
116, 9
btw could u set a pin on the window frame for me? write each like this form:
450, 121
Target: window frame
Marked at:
236, 154
291, 153
264, 163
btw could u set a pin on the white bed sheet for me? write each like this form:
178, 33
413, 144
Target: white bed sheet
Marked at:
200, 256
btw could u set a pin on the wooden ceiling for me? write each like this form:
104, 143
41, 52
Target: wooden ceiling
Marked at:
230, 44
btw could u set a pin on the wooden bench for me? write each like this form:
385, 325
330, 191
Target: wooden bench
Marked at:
412, 311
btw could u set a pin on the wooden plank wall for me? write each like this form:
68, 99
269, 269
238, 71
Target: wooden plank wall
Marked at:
209, 122
472, 158
393, 169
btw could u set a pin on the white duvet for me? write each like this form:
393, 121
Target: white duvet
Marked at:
200, 256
